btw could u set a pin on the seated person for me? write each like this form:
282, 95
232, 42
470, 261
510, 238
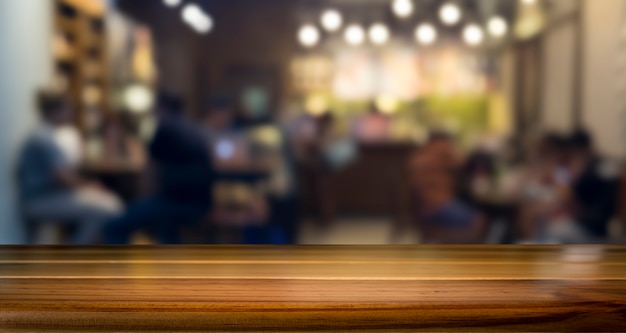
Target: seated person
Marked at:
183, 178
50, 185
237, 198
592, 195
442, 218
544, 179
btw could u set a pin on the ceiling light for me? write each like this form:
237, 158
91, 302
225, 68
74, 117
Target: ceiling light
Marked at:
402, 8
497, 26
379, 34
332, 20
172, 3
473, 34
309, 36
450, 14
194, 16
426, 34
355, 35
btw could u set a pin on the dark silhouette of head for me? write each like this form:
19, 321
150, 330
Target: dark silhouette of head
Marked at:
54, 108
219, 112
581, 144
169, 104
581, 139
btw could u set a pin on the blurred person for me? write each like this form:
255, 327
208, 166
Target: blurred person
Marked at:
488, 175
183, 176
239, 199
310, 146
545, 183
442, 218
225, 131
592, 195
595, 185
373, 127
479, 174
51, 187
283, 194
273, 154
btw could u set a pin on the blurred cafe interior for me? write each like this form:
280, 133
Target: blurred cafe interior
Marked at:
312, 121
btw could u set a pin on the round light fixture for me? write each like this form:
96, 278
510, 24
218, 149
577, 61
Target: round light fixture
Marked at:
497, 26
387, 104
138, 98
332, 20
194, 16
355, 35
402, 8
172, 3
473, 34
426, 34
309, 36
316, 105
450, 14
379, 34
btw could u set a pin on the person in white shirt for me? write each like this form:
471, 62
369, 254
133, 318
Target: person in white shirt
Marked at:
51, 187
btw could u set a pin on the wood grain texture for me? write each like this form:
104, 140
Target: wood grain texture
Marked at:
313, 288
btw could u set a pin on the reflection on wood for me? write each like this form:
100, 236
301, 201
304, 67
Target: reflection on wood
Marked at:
310, 288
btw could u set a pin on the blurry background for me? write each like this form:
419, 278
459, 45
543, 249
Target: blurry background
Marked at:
351, 121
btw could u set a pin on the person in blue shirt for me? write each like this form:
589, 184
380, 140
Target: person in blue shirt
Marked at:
51, 188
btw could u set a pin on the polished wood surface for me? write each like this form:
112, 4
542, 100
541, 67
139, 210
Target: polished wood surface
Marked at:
313, 288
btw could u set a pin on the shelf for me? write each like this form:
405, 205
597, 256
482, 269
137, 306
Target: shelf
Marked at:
80, 53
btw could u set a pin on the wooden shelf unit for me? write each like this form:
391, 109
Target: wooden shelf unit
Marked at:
80, 26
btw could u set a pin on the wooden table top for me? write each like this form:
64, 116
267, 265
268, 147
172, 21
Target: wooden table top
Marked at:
313, 288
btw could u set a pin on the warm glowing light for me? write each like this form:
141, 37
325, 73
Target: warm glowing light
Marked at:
473, 34
138, 98
450, 14
529, 2
426, 34
316, 105
309, 36
402, 8
387, 104
332, 20
379, 34
172, 3
355, 35
194, 16
497, 26
92, 95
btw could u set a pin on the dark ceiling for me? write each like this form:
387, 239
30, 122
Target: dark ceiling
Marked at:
164, 19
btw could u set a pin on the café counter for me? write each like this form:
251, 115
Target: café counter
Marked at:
312, 288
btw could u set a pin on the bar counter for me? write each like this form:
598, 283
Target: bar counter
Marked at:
312, 288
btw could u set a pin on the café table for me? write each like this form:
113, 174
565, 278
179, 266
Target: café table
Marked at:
312, 288
124, 178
